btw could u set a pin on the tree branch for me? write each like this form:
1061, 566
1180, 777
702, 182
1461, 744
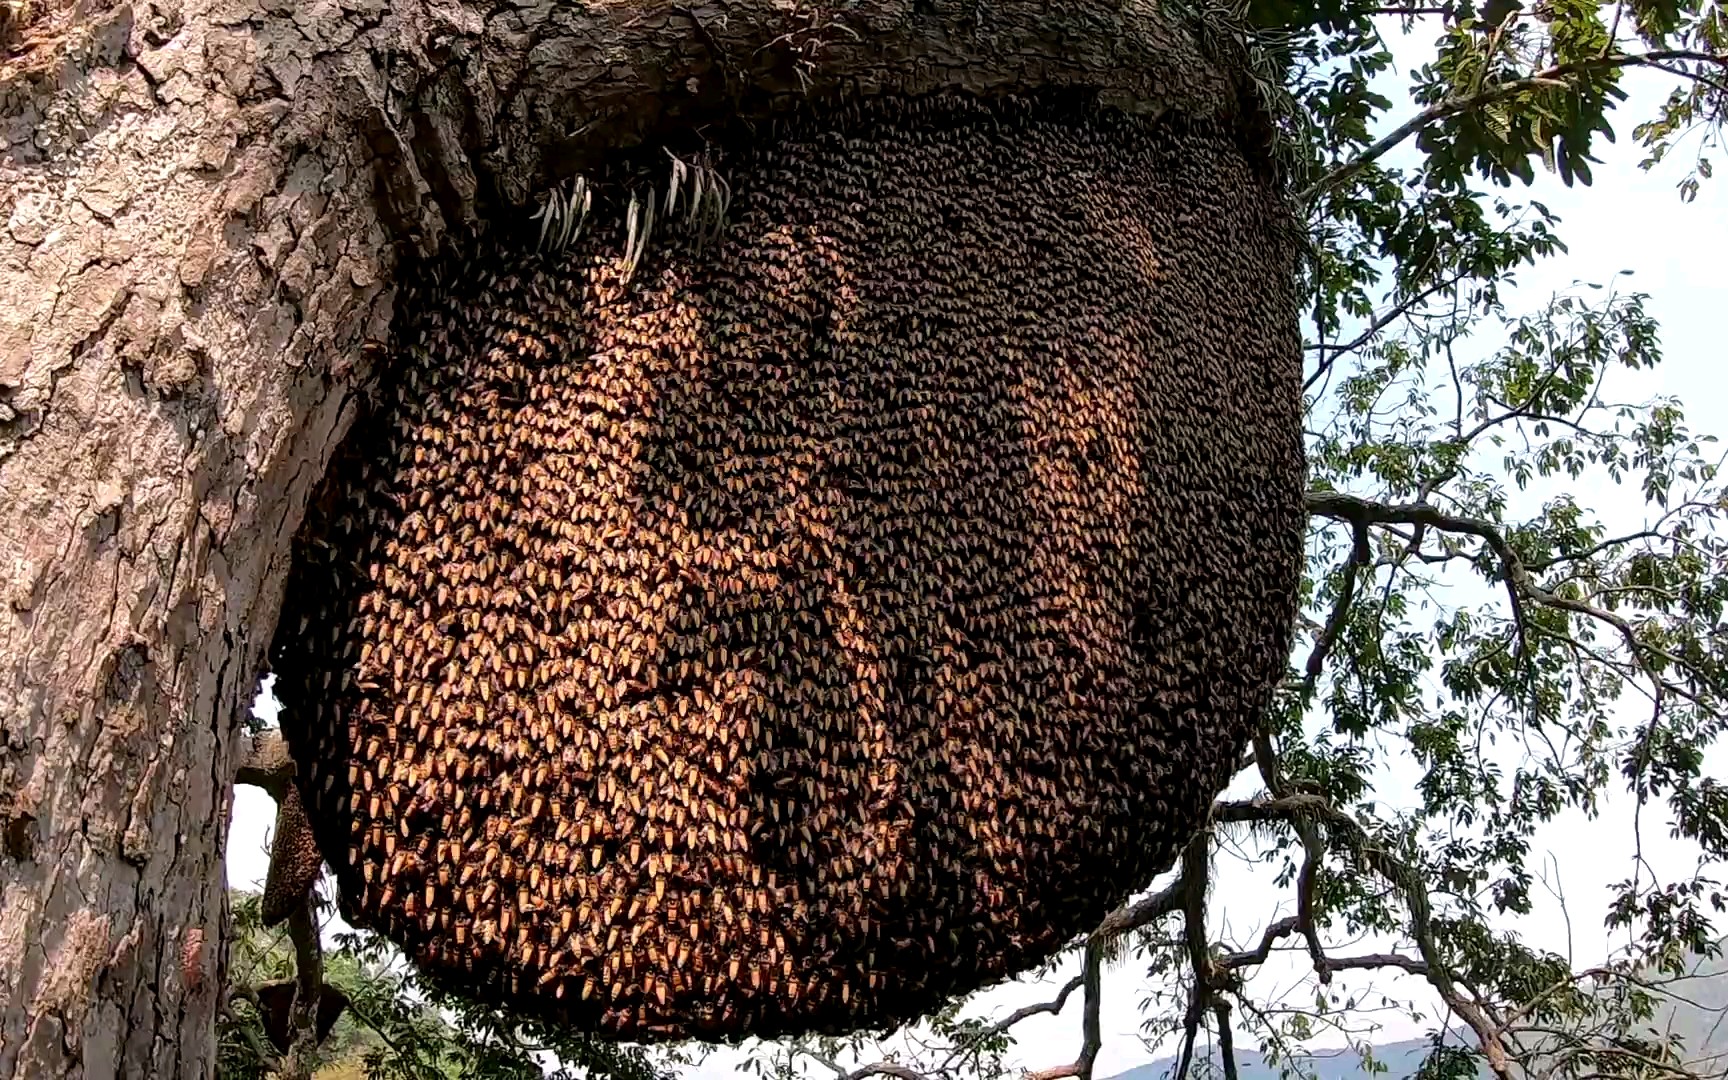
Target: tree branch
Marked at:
1329, 353
1355, 510
1273, 933
266, 1058
1360, 556
878, 1068
1195, 871
1553, 77
574, 100
1123, 920
1091, 1032
1303, 807
1226, 1037
1520, 585
1053, 1006
308, 990
266, 764
1133, 916
1370, 961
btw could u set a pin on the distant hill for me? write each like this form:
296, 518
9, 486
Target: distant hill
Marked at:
1401, 1059
1697, 1011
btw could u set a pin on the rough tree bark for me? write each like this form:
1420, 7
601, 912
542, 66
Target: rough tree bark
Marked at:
204, 203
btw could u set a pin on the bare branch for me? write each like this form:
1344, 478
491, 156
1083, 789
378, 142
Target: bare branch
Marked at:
1165, 901
1195, 871
1226, 1037
1313, 853
878, 1068
1360, 556
1371, 961
1283, 808
1357, 510
1303, 807
1053, 1007
1595, 549
1273, 933
1091, 1033
1398, 310
1190, 1030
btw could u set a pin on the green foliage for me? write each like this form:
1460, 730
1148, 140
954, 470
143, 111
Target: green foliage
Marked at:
1514, 697
259, 955
398, 1027
1511, 699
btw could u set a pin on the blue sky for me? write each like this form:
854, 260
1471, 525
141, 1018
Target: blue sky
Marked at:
1629, 220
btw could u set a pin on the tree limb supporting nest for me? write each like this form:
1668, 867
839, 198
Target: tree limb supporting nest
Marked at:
611, 75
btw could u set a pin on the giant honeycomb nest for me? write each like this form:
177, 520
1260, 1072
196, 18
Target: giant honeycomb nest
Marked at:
830, 620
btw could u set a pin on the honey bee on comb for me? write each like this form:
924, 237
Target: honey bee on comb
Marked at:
787, 626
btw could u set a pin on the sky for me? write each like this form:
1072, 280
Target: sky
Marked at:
1629, 220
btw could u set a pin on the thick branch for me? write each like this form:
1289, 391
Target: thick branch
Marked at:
1226, 1037
585, 81
266, 764
266, 1058
308, 989
1054, 1006
1195, 873
1371, 961
1142, 912
1273, 934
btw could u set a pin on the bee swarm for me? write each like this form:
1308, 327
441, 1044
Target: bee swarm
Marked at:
826, 621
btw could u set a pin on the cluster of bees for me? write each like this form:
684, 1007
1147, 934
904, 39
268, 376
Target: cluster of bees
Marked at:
808, 630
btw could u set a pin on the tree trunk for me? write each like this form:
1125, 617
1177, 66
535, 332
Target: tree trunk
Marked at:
205, 202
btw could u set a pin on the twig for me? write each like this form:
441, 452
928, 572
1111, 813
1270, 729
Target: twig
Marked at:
1554, 77
1381, 322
